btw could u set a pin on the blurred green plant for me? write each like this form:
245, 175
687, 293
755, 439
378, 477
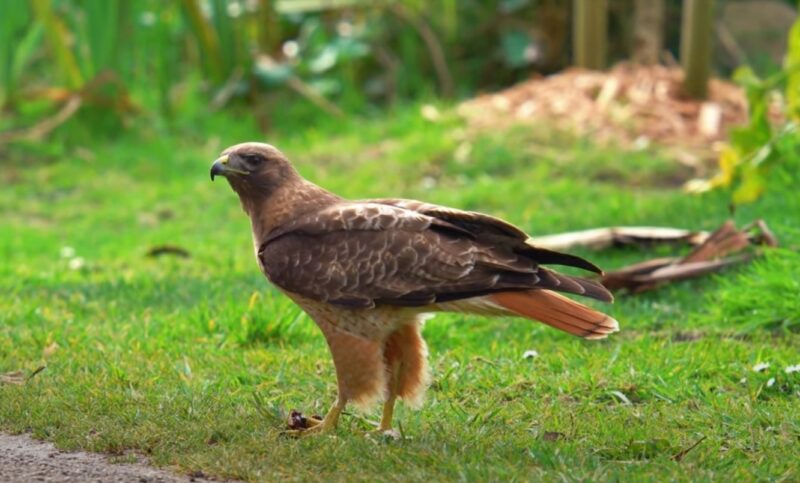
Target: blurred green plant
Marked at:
18, 38
753, 149
347, 55
793, 72
58, 42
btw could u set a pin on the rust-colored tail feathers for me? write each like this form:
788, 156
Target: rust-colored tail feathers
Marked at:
559, 312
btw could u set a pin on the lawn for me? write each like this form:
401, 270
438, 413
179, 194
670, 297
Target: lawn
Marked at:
194, 361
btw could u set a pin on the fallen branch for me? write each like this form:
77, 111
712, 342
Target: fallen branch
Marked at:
721, 249
712, 251
602, 238
45, 126
681, 454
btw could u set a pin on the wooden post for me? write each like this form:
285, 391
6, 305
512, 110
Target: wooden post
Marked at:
589, 30
697, 33
269, 27
648, 31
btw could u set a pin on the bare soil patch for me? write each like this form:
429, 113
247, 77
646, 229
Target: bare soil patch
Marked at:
23, 459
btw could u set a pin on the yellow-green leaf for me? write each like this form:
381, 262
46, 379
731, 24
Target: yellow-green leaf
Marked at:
729, 159
792, 66
750, 188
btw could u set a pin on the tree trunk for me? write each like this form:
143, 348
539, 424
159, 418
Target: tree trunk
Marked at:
648, 31
696, 38
589, 30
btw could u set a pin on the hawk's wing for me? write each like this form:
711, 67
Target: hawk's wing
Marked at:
358, 254
491, 229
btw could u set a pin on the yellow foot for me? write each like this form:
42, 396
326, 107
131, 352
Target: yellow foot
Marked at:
385, 428
313, 421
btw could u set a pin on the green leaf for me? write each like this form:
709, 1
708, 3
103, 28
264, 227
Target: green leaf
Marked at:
273, 74
13, 23
792, 66
102, 33
25, 49
324, 61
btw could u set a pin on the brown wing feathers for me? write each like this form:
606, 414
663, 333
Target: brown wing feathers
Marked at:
491, 229
496, 232
361, 254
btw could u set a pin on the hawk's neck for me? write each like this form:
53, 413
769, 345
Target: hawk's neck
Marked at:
285, 204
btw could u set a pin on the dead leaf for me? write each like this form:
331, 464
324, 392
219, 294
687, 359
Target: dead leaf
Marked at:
49, 350
553, 436
688, 336
16, 378
159, 250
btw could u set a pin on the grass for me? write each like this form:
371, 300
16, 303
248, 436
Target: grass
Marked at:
193, 361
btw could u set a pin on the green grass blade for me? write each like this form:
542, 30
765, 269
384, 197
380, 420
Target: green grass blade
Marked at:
102, 33
15, 23
206, 39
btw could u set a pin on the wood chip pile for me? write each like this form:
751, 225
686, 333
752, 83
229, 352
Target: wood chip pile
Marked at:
629, 105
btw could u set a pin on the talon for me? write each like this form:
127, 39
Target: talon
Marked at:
313, 430
300, 425
298, 421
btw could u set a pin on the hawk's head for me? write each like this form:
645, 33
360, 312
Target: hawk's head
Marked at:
253, 168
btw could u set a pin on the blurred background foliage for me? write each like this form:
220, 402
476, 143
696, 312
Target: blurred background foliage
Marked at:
126, 56
103, 65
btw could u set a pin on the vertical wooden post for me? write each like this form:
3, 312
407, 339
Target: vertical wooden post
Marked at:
269, 27
589, 30
648, 31
697, 33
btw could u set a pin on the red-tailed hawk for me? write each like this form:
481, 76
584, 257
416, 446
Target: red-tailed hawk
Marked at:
368, 271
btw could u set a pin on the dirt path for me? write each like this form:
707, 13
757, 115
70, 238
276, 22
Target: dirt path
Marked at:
23, 459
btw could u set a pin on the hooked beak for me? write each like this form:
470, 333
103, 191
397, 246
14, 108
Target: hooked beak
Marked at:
223, 167
220, 166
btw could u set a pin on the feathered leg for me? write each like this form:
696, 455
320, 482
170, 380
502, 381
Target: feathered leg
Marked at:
406, 357
360, 375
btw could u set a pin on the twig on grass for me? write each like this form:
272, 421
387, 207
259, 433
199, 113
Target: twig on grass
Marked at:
712, 251
682, 453
45, 126
721, 249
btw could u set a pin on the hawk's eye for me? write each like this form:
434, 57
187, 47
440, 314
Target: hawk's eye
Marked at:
252, 159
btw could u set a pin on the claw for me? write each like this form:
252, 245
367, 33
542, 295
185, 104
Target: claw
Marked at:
300, 425
298, 421
315, 427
